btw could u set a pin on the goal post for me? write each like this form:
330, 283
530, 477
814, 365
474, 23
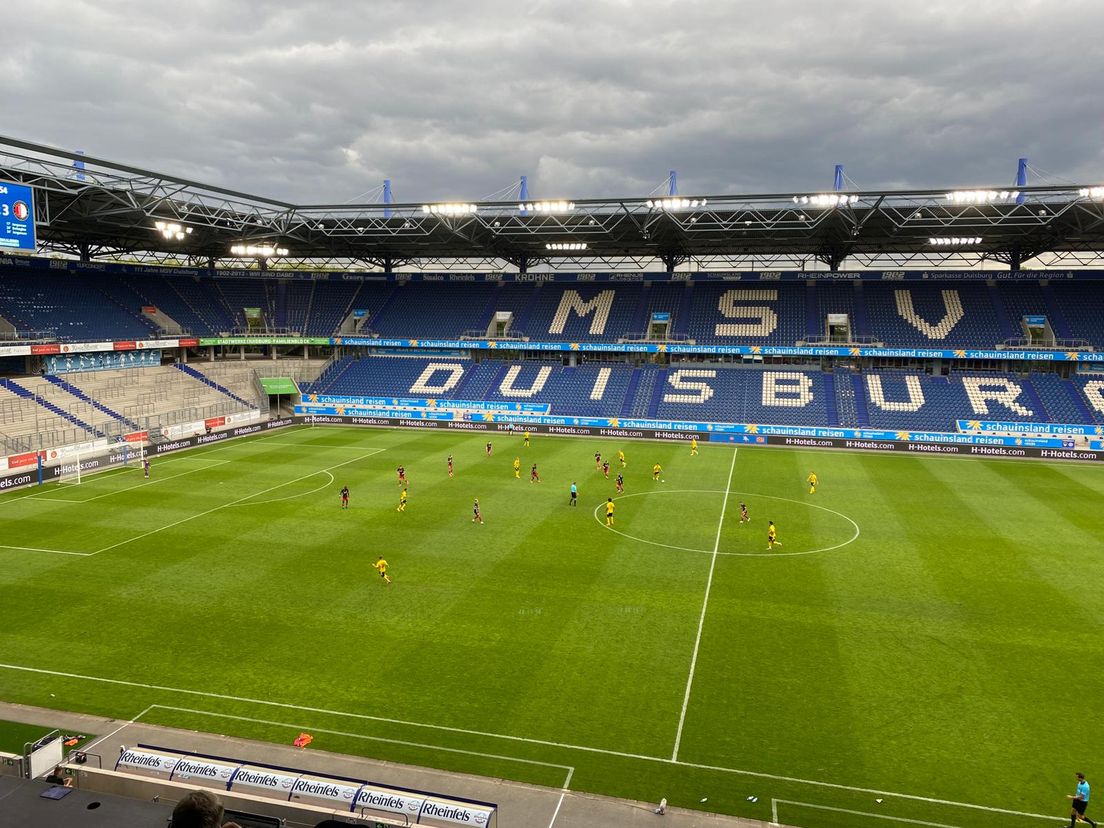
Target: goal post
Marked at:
129, 455
73, 468
69, 471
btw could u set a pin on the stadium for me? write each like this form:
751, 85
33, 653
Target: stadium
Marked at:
545, 509
671, 655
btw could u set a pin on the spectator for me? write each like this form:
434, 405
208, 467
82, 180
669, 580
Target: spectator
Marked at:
199, 809
58, 777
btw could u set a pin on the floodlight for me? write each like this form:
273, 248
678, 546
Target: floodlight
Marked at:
826, 199
546, 207
258, 251
450, 209
1091, 192
171, 230
674, 203
980, 196
954, 241
566, 246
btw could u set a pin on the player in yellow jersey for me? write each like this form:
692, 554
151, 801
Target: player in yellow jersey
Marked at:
693, 446
527, 439
772, 536
381, 568
517, 468
656, 471
621, 458
610, 506
812, 481
402, 501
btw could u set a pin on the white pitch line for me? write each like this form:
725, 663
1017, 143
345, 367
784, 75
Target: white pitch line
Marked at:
701, 619
563, 793
232, 503
95, 742
776, 802
523, 740
40, 549
198, 452
346, 734
150, 482
294, 496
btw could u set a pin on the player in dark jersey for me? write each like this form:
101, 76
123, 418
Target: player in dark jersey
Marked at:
344, 497
490, 448
534, 475
597, 460
402, 474
620, 483
450, 465
476, 514
744, 517
605, 468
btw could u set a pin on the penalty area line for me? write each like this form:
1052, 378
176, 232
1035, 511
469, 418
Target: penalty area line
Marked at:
53, 551
233, 503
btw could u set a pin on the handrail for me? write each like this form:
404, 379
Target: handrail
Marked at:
872, 341
1023, 343
643, 337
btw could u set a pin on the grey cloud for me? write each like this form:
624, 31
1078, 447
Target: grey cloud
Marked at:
318, 101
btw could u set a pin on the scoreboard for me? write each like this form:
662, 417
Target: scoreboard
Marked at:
17, 217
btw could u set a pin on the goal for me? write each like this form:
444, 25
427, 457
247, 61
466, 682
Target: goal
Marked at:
69, 472
72, 470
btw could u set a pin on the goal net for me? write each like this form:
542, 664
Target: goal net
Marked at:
72, 469
69, 472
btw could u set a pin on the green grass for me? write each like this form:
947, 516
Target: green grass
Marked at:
952, 651
15, 735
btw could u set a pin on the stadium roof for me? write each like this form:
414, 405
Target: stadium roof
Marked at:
93, 207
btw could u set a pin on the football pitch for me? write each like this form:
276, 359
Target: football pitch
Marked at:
926, 646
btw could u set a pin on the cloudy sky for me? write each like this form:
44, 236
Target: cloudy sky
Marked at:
316, 101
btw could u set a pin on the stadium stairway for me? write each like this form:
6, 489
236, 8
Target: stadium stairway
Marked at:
521, 320
192, 372
1001, 313
830, 399
383, 308
20, 391
99, 406
1058, 322
1079, 403
476, 383
862, 413
845, 399
637, 403
630, 393
641, 319
860, 324
1034, 400
681, 317
813, 327
660, 385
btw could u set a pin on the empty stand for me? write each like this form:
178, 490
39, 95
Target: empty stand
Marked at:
933, 315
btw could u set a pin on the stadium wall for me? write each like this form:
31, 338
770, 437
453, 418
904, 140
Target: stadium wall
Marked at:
106, 457
957, 445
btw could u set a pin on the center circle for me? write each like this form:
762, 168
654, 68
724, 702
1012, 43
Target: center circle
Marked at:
749, 496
